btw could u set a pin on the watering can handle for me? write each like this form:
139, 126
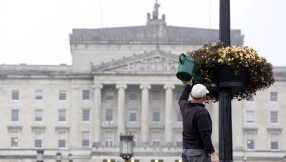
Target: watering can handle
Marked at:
180, 57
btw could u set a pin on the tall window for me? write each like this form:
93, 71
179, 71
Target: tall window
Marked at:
62, 115
156, 96
15, 115
134, 138
273, 96
62, 95
251, 99
274, 141
132, 96
85, 95
15, 94
179, 116
109, 115
38, 115
132, 115
85, 139
250, 116
250, 140
156, 115
109, 96
274, 117
85, 115
38, 139
62, 139
39, 95
156, 138
14, 139
178, 95
179, 140
109, 139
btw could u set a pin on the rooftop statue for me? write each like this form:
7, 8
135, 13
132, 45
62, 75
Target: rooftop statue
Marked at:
156, 10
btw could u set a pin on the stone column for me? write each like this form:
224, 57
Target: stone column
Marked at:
169, 113
237, 120
74, 116
97, 114
121, 125
145, 114
215, 119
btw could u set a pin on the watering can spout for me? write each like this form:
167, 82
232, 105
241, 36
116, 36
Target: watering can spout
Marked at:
187, 68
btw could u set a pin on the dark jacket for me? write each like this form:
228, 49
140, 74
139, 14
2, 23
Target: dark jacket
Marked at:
197, 124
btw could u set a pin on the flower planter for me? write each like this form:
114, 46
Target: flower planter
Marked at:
236, 67
225, 76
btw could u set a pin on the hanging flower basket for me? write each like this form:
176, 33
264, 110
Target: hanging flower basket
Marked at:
236, 67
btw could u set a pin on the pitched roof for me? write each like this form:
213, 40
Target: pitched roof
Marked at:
132, 60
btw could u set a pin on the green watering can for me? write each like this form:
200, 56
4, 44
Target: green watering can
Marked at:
187, 68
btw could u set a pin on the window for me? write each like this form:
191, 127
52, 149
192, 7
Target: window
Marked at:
62, 95
15, 115
108, 96
179, 140
273, 96
156, 115
132, 96
85, 95
178, 95
109, 139
134, 138
15, 94
14, 139
156, 138
132, 115
251, 99
109, 115
38, 115
85, 139
156, 95
62, 139
39, 95
250, 140
250, 117
179, 116
274, 141
62, 115
85, 115
274, 117
38, 139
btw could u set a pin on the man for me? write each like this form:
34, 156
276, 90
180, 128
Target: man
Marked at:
197, 126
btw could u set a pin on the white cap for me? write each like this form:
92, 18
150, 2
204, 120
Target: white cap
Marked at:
199, 90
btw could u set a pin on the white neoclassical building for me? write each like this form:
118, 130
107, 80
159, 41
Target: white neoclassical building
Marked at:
123, 79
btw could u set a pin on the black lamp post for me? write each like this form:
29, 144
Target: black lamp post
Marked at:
126, 146
59, 157
40, 156
70, 157
225, 94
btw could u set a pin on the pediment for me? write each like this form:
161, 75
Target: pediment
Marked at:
152, 62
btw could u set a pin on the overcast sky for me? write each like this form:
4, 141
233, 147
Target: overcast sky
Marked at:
37, 31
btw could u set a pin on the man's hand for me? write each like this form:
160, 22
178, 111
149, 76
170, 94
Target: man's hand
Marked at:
214, 157
190, 82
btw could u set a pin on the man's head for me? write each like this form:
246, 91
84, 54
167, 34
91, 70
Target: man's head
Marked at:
198, 93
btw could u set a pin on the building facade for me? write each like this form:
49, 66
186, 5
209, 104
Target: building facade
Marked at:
123, 79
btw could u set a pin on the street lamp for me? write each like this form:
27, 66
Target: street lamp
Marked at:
70, 157
59, 157
245, 158
40, 155
126, 146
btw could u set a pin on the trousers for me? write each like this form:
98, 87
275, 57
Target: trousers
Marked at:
195, 155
